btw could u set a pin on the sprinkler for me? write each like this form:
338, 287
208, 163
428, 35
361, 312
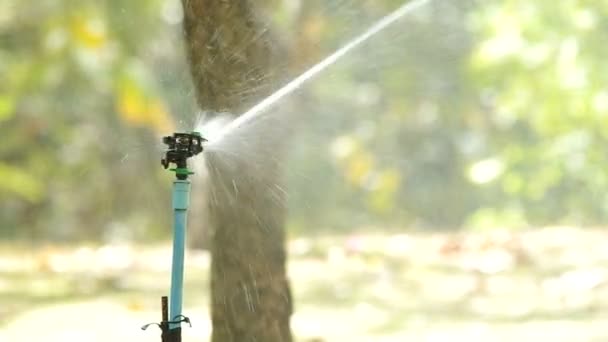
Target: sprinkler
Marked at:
180, 147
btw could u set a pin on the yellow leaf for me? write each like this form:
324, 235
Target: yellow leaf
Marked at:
89, 32
386, 187
359, 167
131, 105
137, 109
159, 117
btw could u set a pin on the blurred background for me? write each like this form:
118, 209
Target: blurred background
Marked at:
447, 183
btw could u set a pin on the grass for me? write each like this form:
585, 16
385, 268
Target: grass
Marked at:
548, 284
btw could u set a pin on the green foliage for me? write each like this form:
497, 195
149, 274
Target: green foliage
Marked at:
537, 64
399, 112
481, 115
77, 103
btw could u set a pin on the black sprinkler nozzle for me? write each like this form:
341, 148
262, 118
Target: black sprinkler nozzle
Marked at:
180, 147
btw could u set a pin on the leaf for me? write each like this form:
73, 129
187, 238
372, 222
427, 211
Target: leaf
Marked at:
138, 109
89, 32
7, 107
359, 167
19, 182
383, 197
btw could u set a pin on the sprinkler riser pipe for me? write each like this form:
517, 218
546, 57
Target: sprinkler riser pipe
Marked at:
181, 199
181, 194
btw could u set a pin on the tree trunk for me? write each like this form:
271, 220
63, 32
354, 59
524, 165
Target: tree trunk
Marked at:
234, 59
234, 63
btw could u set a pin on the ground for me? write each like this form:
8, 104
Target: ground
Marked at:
545, 284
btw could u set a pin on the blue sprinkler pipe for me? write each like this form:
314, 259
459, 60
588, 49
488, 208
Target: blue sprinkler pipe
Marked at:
181, 198
180, 147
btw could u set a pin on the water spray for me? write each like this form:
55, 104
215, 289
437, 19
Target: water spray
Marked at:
404, 10
180, 147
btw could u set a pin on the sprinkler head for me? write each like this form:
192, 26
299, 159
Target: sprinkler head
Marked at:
180, 147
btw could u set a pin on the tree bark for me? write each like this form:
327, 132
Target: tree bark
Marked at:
235, 62
234, 59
